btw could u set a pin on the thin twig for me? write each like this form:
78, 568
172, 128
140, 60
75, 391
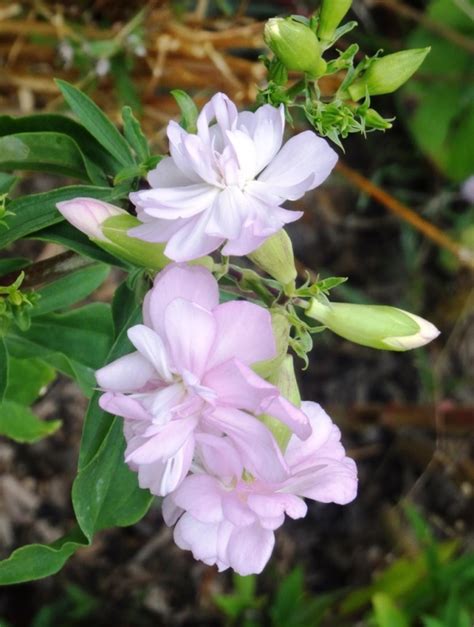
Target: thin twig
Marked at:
49, 269
429, 230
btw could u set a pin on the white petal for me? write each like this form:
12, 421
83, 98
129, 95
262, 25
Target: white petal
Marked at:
167, 174
192, 241
151, 346
126, 374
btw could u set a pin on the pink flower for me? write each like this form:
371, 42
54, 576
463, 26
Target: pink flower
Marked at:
190, 375
228, 519
227, 182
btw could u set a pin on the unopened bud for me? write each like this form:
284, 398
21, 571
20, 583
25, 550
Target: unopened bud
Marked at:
275, 256
376, 326
295, 44
331, 14
375, 120
386, 74
107, 226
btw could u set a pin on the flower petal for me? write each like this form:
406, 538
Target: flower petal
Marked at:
124, 406
227, 217
167, 174
150, 345
201, 496
171, 437
190, 331
193, 283
250, 549
126, 374
304, 155
170, 203
200, 538
280, 408
255, 443
192, 241
244, 331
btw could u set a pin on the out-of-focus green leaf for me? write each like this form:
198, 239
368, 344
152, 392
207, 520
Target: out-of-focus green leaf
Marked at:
37, 211
70, 289
11, 264
97, 123
20, 424
7, 182
189, 111
439, 108
4, 368
52, 122
27, 378
386, 613
47, 152
36, 561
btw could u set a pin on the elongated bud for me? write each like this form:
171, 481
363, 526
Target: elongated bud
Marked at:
88, 214
281, 333
285, 380
375, 120
275, 256
295, 44
377, 326
331, 14
388, 73
107, 226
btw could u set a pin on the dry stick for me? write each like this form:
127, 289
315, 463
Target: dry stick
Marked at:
434, 26
432, 232
48, 269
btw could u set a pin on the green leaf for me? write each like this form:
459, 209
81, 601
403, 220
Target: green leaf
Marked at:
27, 378
121, 68
36, 561
97, 423
70, 289
47, 152
134, 134
105, 492
13, 263
189, 111
20, 424
7, 182
387, 614
84, 334
96, 122
51, 122
37, 211
4, 368
65, 234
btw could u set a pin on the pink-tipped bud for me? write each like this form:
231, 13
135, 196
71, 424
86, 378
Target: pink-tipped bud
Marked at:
88, 215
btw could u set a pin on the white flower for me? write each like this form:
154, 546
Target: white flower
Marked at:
227, 182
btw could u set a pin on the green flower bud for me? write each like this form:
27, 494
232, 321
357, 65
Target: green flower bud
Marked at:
375, 120
376, 326
281, 333
386, 74
116, 241
331, 14
275, 256
295, 44
285, 380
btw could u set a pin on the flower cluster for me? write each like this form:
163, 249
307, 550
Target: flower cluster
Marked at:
191, 404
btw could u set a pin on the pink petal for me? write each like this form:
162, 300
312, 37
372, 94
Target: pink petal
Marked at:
201, 496
238, 386
235, 511
124, 406
167, 174
255, 443
150, 345
160, 477
190, 330
170, 511
192, 241
126, 374
170, 203
193, 283
304, 155
222, 109
156, 230
289, 415
218, 456
244, 331
250, 549
275, 504
200, 538
165, 444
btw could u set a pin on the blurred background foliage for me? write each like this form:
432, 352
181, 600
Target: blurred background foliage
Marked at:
396, 218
